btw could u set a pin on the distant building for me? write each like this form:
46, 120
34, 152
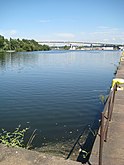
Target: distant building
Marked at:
107, 48
72, 47
121, 47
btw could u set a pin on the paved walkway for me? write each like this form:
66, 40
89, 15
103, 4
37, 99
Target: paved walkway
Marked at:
113, 149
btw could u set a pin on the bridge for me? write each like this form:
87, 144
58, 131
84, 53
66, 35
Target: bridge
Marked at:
82, 45
76, 43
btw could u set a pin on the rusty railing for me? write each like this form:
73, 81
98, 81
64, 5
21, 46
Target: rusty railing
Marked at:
105, 119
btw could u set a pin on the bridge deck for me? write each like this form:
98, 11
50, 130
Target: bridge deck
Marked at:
113, 149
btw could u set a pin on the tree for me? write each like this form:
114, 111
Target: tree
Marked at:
1, 42
21, 45
6, 45
66, 47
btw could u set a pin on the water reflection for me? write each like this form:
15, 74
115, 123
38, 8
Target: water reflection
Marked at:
2, 60
17, 60
56, 92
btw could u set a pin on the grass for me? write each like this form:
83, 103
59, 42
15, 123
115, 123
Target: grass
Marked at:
16, 138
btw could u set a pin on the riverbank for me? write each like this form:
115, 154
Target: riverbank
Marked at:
20, 156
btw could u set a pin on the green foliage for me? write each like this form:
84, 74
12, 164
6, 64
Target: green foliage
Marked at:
21, 45
103, 98
1, 42
2, 51
66, 47
6, 45
15, 138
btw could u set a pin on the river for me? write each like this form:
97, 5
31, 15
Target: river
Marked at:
55, 92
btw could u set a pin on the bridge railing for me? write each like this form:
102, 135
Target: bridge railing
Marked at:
105, 119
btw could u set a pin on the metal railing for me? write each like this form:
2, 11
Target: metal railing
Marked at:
105, 119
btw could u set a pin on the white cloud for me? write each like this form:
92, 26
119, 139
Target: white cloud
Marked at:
105, 39
106, 28
99, 33
65, 35
12, 32
8, 33
104, 34
106, 31
103, 27
83, 33
114, 39
44, 21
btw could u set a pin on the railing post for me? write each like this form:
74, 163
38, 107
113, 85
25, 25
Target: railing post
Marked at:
110, 110
108, 117
109, 106
112, 102
101, 139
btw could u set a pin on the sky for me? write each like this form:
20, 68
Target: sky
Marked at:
63, 20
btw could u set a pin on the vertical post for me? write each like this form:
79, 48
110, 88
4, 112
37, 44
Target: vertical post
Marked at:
110, 110
112, 102
101, 139
108, 117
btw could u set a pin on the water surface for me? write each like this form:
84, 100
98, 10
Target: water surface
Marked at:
55, 92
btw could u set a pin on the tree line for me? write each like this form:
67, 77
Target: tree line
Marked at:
20, 45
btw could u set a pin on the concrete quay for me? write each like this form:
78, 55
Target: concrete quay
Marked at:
113, 148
